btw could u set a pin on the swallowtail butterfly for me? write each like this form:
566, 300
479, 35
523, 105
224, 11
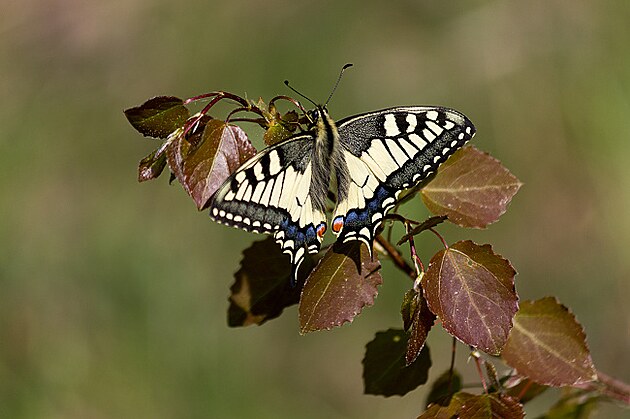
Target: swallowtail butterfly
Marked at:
370, 158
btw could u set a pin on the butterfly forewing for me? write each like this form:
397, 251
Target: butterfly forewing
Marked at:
271, 194
386, 152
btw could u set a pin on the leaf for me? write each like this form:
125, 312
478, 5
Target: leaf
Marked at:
384, 370
492, 376
491, 406
158, 117
203, 162
262, 286
572, 408
278, 127
281, 128
408, 308
548, 345
344, 281
425, 225
417, 317
471, 289
451, 411
472, 188
152, 165
469, 406
444, 387
522, 388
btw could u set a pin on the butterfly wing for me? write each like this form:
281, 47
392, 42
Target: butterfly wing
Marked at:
386, 152
271, 194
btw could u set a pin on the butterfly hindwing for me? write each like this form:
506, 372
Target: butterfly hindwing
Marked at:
389, 151
271, 194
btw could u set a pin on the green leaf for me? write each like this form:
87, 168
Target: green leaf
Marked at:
471, 289
408, 308
425, 225
548, 345
344, 281
278, 127
576, 407
384, 370
437, 411
262, 287
469, 406
205, 158
281, 128
472, 188
492, 376
152, 165
418, 319
444, 387
158, 117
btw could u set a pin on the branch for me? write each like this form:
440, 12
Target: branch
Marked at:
609, 386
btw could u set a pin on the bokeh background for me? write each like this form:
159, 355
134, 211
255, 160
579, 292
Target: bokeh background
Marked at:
113, 294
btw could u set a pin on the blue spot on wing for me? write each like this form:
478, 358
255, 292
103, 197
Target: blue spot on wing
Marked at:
297, 241
359, 218
311, 234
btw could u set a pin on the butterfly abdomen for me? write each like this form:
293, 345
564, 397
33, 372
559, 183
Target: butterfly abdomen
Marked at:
327, 159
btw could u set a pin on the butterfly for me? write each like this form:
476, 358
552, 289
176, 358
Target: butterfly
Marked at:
368, 158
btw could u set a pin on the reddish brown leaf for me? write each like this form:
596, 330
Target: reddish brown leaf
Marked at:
418, 318
384, 370
548, 345
471, 289
472, 188
344, 281
158, 117
491, 406
263, 288
202, 163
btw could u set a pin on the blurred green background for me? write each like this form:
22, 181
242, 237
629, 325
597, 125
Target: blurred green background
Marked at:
113, 293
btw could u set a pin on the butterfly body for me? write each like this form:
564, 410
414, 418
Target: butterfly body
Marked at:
371, 158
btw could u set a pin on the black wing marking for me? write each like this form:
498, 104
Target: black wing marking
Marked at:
271, 194
386, 152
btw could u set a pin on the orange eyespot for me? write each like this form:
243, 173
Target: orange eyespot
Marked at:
321, 229
337, 224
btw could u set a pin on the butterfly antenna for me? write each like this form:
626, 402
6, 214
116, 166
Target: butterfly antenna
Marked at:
337, 83
286, 82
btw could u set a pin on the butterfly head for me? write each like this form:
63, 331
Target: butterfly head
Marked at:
317, 115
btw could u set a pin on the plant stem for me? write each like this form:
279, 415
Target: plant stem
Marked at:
434, 231
611, 387
475, 356
396, 257
451, 369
